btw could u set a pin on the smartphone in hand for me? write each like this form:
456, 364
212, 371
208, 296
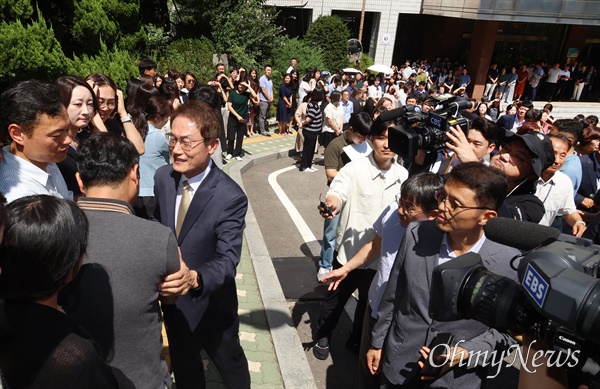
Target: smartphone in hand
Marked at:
437, 349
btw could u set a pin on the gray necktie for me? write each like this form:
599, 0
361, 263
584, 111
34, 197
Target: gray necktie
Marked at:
184, 204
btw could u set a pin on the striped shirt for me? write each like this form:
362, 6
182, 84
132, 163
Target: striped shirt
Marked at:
20, 178
313, 111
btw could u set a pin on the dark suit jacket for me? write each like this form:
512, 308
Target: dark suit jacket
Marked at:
404, 324
589, 183
356, 108
507, 121
210, 241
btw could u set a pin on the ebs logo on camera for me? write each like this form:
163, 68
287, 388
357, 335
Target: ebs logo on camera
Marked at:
535, 285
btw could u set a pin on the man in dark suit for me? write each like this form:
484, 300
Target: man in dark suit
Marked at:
206, 210
586, 194
469, 199
513, 122
356, 100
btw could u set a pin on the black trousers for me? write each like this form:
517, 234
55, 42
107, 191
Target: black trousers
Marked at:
308, 151
333, 306
221, 343
235, 132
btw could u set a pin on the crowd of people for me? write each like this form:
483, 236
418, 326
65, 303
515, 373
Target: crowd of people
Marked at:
118, 216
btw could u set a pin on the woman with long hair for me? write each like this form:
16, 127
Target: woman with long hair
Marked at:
300, 116
589, 141
254, 103
311, 128
450, 81
45, 239
482, 111
111, 104
284, 104
295, 84
521, 81
158, 111
137, 98
81, 103
494, 109
170, 91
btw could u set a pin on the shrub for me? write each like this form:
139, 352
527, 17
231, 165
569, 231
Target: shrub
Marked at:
117, 64
365, 62
30, 51
330, 35
246, 30
193, 55
308, 56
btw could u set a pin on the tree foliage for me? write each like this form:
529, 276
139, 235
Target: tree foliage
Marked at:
330, 34
12, 10
30, 51
308, 56
117, 64
365, 62
194, 55
245, 29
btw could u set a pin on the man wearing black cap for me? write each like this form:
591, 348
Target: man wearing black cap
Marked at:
523, 158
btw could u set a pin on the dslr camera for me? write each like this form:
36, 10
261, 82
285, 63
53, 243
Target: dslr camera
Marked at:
557, 300
418, 130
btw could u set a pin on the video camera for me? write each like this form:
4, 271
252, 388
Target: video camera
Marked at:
427, 130
557, 301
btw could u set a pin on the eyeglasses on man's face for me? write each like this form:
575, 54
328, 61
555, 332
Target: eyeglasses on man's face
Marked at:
452, 205
185, 143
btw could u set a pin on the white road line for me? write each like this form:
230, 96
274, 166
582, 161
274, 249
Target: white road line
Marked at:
307, 235
298, 220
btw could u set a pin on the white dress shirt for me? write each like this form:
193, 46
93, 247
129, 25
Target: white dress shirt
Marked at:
194, 184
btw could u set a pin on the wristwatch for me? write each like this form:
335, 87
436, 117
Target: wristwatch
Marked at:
126, 119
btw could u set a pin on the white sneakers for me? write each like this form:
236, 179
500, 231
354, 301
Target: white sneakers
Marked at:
322, 272
228, 157
238, 158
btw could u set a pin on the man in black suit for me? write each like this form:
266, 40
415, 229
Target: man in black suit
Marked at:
513, 122
587, 193
356, 100
206, 210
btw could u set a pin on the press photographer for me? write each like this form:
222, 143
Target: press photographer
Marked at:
557, 301
470, 198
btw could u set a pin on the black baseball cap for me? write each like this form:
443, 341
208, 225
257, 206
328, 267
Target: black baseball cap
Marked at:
539, 145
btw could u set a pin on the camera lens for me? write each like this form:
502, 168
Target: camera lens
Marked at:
491, 299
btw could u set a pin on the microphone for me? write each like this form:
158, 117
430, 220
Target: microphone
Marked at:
519, 234
391, 114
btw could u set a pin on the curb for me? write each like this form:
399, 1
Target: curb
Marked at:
293, 364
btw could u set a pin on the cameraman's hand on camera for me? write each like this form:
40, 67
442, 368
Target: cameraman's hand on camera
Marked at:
456, 355
460, 145
374, 360
537, 373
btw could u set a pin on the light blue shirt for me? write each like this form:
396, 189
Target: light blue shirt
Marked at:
348, 110
390, 230
156, 155
20, 178
267, 84
572, 168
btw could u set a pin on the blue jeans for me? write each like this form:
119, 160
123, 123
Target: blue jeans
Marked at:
329, 235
